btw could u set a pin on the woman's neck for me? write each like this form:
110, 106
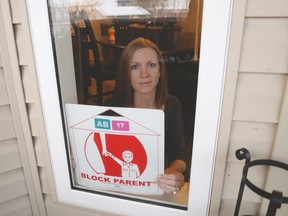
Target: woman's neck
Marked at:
145, 101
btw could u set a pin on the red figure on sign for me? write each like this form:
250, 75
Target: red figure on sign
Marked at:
112, 147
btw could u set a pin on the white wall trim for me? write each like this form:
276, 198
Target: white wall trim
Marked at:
233, 56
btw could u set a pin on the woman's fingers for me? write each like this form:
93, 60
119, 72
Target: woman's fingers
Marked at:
171, 183
167, 188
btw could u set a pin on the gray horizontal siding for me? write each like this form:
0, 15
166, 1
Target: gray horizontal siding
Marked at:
261, 81
4, 100
19, 206
6, 123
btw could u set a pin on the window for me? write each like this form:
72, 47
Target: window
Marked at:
206, 118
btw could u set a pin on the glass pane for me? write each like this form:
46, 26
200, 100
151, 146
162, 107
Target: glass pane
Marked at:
91, 35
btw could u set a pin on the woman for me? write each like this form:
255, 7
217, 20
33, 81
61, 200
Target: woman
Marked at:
141, 82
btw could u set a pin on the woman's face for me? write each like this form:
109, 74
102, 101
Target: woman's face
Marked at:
145, 71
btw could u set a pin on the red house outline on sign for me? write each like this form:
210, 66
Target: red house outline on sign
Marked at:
100, 158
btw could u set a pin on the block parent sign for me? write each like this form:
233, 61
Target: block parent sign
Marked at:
118, 149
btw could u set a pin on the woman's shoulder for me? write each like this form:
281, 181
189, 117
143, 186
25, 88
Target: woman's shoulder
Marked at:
171, 99
172, 102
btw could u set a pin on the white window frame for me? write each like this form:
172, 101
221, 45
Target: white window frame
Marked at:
214, 37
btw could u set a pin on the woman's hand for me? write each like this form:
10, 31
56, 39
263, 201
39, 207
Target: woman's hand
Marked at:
171, 181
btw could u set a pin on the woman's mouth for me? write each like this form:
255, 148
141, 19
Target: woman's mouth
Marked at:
145, 83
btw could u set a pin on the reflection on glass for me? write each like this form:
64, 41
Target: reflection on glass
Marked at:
172, 25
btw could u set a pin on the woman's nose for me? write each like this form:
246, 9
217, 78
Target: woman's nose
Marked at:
143, 71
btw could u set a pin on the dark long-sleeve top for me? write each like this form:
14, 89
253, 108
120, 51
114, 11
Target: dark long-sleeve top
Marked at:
174, 130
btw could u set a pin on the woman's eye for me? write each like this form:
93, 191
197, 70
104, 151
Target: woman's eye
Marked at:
135, 67
152, 65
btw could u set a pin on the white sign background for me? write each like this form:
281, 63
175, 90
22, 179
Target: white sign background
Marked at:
147, 125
